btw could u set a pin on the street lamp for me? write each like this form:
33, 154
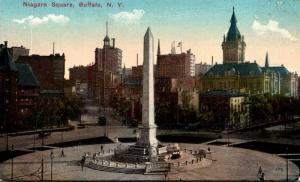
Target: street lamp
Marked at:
12, 162
35, 129
287, 164
51, 157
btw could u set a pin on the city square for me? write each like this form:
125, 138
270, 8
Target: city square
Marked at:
208, 109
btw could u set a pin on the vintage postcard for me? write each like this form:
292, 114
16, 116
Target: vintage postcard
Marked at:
138, 90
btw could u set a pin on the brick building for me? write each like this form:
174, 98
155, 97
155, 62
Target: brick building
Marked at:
49, 70
108, 70
91, 71
79, 74
16, 52
18, 91
176, 65
229, 109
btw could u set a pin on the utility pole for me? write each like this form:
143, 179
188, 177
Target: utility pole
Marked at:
287, 164
51, 157
42, 174
12, 162
6, 139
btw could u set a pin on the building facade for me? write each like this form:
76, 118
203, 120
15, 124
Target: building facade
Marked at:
243, 76
229, 109
78, 74
108, 68
16, 52
175, 65
18, 92
49, 70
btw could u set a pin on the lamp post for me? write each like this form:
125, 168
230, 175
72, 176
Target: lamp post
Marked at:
42, 173
51, 157
12, 162
35, 129
6, 139
287, 164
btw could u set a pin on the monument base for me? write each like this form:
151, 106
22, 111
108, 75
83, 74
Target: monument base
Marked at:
141, 154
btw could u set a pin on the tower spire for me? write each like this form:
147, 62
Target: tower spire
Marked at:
233, 32
267, 60
158, 47
233, 18
106, 38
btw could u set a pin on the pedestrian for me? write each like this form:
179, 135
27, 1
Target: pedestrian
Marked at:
259, 170
94, 157
101, 148
62, 154
262, 177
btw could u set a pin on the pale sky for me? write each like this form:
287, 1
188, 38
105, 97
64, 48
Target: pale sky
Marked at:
267, 25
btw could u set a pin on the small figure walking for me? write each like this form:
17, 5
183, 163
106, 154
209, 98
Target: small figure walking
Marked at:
260, 175
259, 170
101, 148
82, 162
62, 154
94, 157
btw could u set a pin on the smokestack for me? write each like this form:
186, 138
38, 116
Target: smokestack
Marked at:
53, 47
5, 44
137, 59
113, 42
212, 60
106, 28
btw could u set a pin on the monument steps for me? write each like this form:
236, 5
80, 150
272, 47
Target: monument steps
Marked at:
98, 167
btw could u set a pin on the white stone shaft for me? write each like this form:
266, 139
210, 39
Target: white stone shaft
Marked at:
148, 130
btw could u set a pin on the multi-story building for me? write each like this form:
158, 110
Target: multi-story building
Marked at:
91, 69
49, 70
229, 109
15, 52
18, 91
286, 82
237, 74
202, 68
108, 64
78, 74
27, 91
175, 65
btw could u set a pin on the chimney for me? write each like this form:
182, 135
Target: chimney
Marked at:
53, 48
5, 44
137, 59
113, 42
212, 60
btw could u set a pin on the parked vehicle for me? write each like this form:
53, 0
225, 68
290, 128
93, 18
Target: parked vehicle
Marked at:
102, 120
43, 134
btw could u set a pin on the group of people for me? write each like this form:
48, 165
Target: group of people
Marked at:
260, 174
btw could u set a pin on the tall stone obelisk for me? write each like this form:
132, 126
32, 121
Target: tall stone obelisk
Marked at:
148, 128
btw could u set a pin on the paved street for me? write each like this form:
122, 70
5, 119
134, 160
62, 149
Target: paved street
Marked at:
113, 131
229, 164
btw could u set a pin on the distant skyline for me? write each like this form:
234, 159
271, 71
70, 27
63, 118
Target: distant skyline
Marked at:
267, 25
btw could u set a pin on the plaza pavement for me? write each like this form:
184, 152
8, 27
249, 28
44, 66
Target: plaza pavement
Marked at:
229, 163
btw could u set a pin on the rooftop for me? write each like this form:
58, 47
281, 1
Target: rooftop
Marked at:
26, 77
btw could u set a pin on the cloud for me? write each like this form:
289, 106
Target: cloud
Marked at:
128, 17
271, 26
58, 19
